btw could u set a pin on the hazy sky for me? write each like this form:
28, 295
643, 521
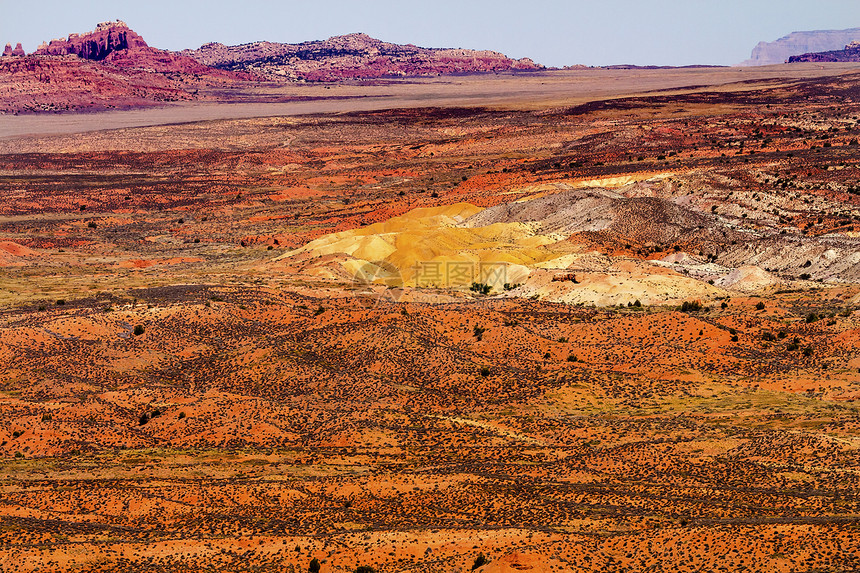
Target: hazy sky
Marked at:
552, 32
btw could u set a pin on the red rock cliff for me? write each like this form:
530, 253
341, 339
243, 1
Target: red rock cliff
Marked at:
108, 37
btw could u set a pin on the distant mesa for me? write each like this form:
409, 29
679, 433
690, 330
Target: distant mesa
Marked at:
108, 37
851, 53
781, 50
112, 67
353, 56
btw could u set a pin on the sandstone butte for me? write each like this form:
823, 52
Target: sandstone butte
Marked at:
108, 37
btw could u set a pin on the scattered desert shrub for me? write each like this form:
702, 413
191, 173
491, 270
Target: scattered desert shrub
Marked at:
691, 306
138, 330
480, 561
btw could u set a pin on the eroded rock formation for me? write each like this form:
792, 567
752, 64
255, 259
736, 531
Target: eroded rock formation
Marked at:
353, 56
108, 37
18, 51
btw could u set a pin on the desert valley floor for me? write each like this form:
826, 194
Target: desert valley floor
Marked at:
540, 317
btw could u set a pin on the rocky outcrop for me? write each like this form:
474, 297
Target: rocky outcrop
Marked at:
111, 67
851, 53
779, 51
353, 56
108, 37
18, 51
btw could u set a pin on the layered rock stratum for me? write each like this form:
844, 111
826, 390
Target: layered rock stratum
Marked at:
779, 51
353, 56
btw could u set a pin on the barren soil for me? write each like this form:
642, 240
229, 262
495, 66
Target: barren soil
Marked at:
220, 349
